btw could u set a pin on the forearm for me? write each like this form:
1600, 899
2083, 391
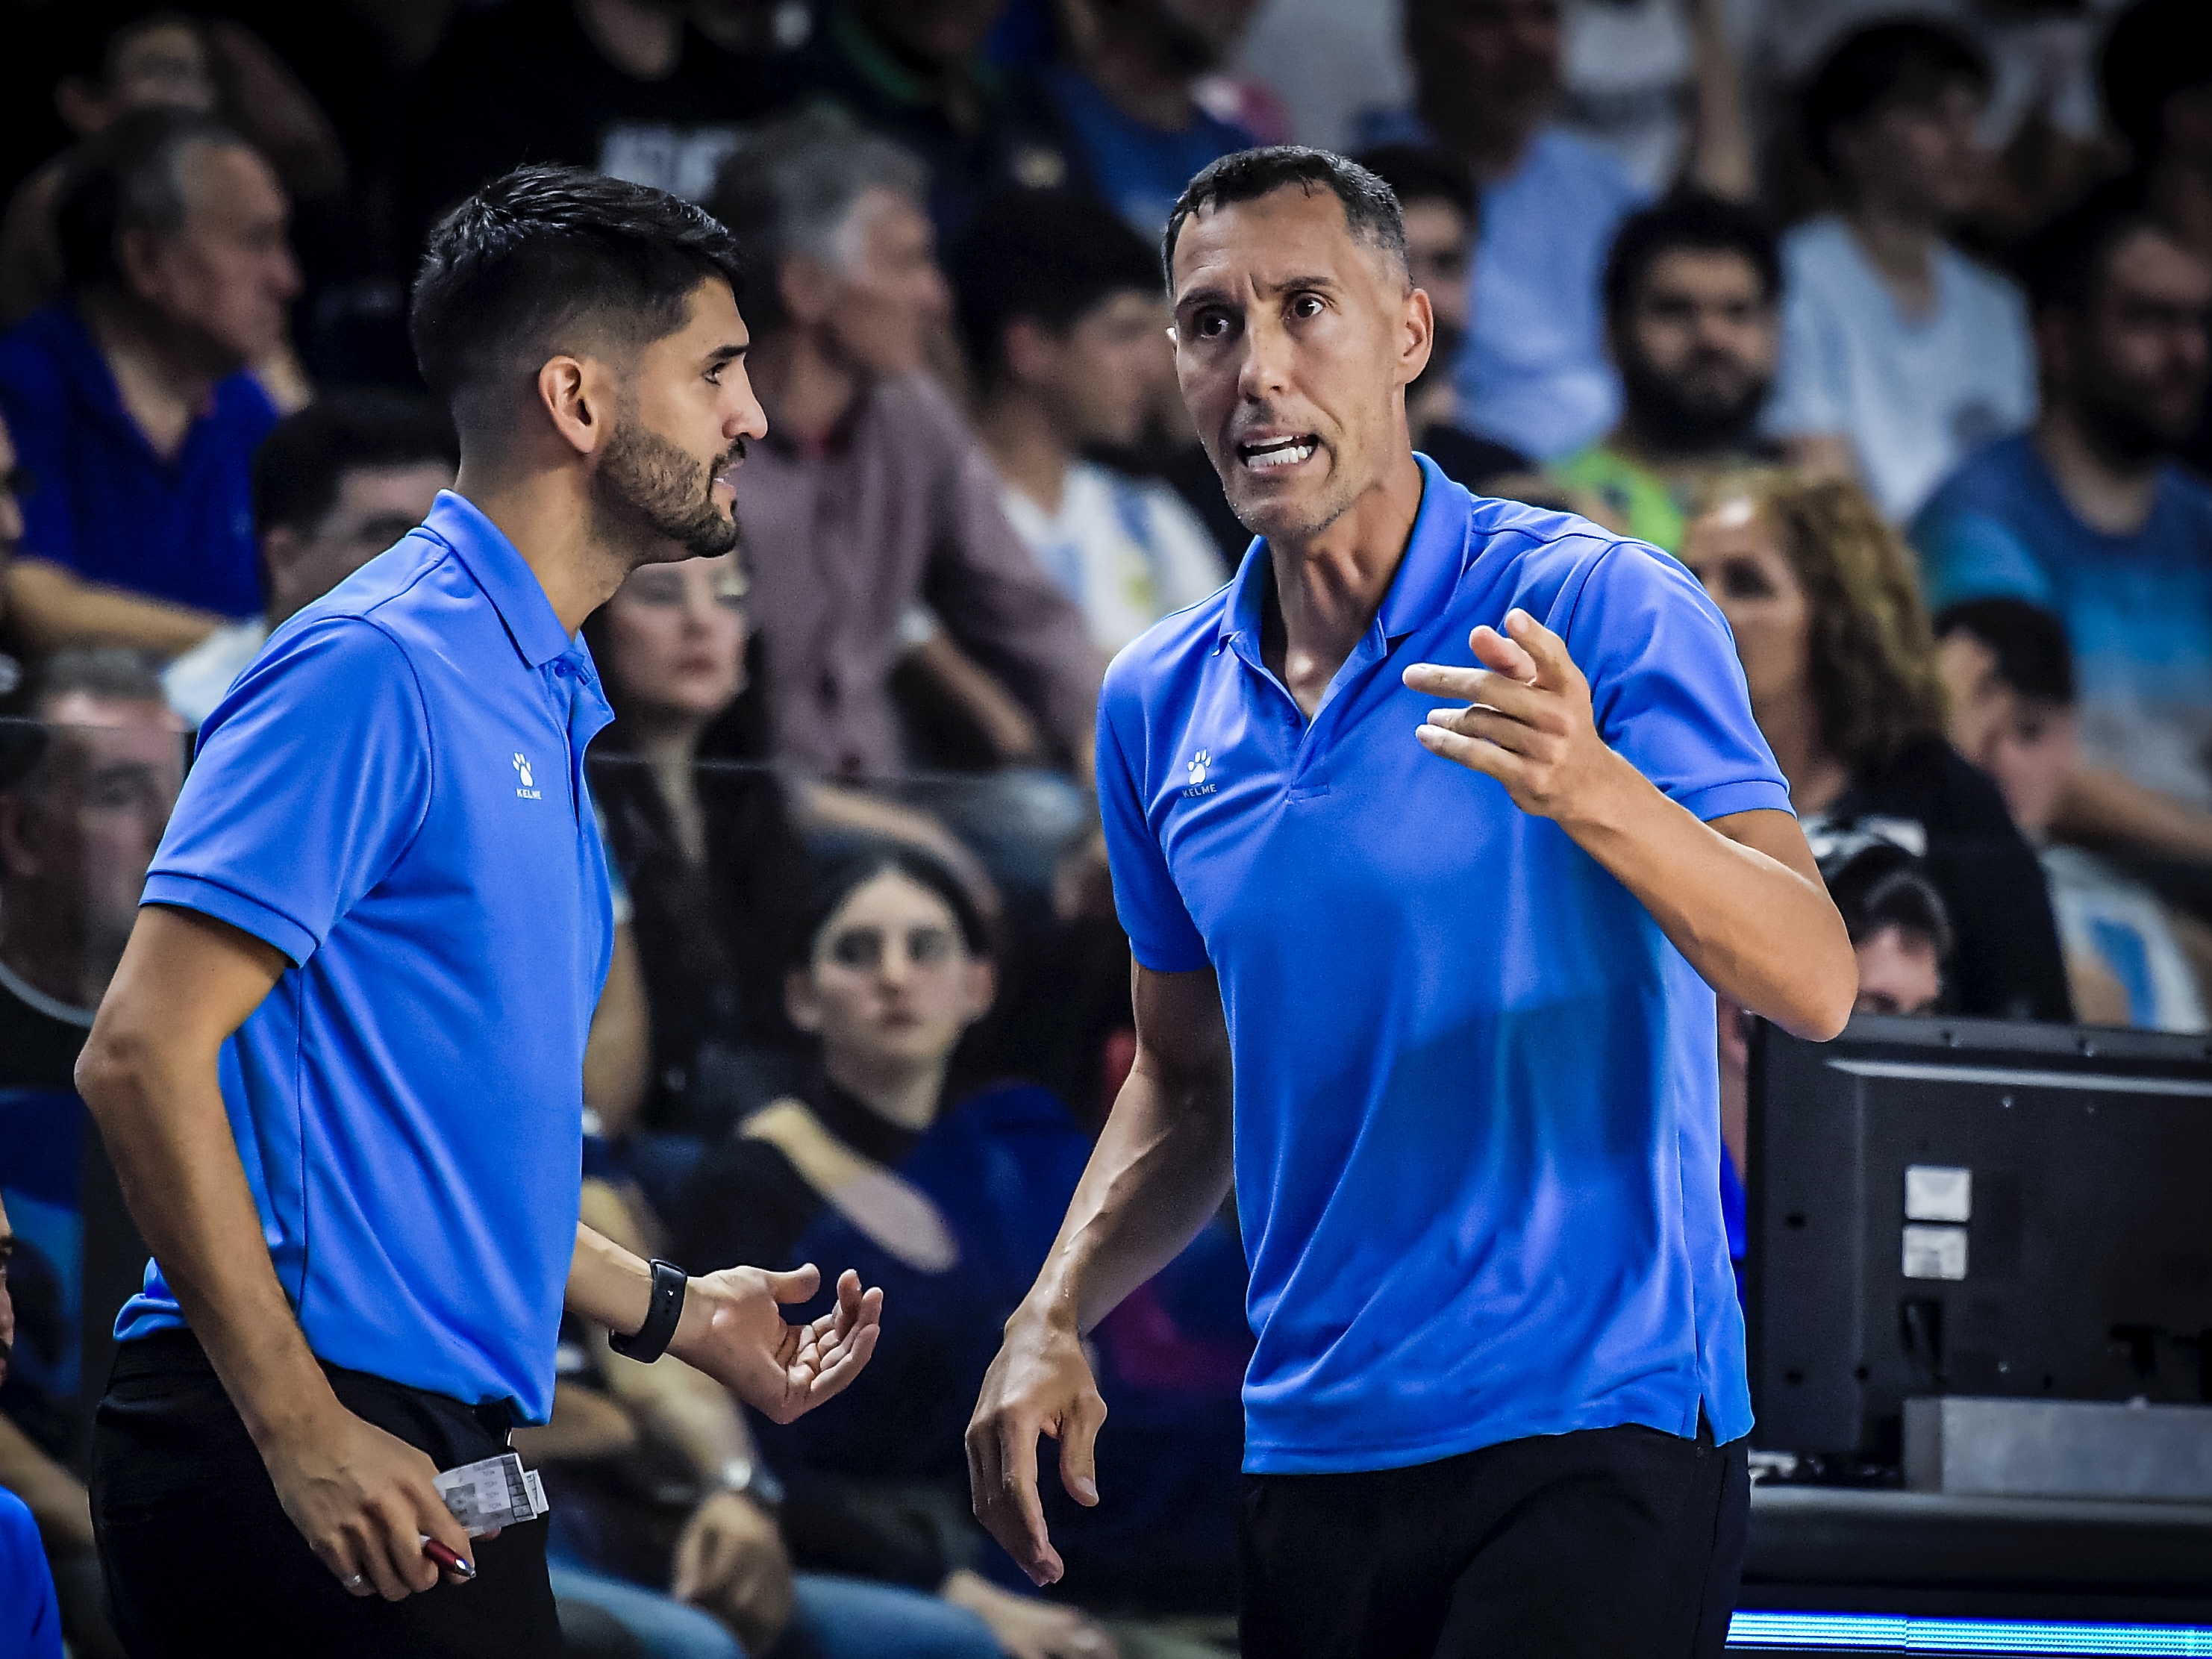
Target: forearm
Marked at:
1763, 934
55, 609
2103, 805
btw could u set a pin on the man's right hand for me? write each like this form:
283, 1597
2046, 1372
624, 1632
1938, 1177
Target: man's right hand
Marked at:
1040, 1383
364, 1500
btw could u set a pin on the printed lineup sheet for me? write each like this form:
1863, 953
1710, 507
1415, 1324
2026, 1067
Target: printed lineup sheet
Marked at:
497, 1491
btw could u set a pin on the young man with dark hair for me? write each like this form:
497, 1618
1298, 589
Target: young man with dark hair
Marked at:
2088, 515
1692, 292
383, 888
1058, 304
2010, 672
1439, 968
1900, 355
333, 486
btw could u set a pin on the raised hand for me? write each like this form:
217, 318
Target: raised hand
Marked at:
734, 1330
1040, 1383
1529, 722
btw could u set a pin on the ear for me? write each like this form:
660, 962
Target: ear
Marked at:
982, 989
19, 851
1417, 336
280, 548
807, 288
82, 108
579, 399
800, 1002
1028, 349
138, 254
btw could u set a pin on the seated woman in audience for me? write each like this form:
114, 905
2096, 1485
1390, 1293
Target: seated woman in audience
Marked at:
1841, 664
953, 1197
708, 840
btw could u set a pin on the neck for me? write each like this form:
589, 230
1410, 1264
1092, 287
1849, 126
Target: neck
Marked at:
1900, 246
2108, 492
668, 744
164, 376
1135, 83
804, 383
47, 953
1636, 440
1328, 587
898, 1091
547, 512
1026, 445
1792, 728
643, 40
1493, 149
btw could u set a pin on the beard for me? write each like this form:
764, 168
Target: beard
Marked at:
649, 488
2127, 428
1672, 414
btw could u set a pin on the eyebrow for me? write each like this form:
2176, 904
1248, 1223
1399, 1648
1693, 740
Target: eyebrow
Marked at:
727, 354
1213, 294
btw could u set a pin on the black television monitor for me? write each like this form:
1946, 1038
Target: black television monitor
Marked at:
1975, 1207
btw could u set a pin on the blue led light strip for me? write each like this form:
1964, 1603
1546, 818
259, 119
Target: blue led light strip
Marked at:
1890, 1633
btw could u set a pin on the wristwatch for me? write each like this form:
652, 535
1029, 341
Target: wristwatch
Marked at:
650, 1340
747, 1477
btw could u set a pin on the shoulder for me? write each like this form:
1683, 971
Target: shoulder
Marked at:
1930, 781
915, 408
1991, 477
32, 354
1153, 670
1983, 289
1559, 156
1818, 248
2191, 487
243, 404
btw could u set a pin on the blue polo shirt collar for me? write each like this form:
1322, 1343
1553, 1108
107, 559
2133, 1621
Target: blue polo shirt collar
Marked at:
506, 580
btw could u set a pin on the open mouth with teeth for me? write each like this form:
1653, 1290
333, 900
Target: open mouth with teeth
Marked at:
1269, 454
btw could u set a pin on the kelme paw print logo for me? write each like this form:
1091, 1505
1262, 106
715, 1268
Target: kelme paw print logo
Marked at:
1199, 762
522, 771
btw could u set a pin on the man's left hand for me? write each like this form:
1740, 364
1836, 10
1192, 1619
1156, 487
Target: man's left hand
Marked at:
1529, 723
732, 1329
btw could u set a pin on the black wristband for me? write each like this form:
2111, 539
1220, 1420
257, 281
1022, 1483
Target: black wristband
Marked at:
651, 1338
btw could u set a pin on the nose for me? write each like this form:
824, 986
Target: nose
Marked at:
744, 417
1265, 371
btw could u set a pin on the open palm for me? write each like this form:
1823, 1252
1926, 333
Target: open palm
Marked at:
782, 1370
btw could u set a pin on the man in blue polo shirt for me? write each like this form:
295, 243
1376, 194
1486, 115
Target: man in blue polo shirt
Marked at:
1498, 1399
340, 1066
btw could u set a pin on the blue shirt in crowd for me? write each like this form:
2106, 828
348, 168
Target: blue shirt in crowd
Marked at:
2137, 608
1478, 1128
103, 504
1136, 167
392, 795
30, 1618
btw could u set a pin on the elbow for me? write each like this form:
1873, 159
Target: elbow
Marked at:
1825, 1004
109, 1067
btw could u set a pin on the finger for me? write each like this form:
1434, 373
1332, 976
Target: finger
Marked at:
1555, 665
1477, 754
690, 1551
1078, 1449
371, 1552
796, 1285
1495, 650
344, 1564
834, 1378
1516, 737
400, 1539
432, 1517
1017, 1510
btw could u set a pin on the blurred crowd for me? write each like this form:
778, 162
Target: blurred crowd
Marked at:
1888, 319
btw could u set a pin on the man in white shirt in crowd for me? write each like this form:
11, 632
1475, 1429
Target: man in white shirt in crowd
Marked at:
333, 486
1900, 355
1058, 302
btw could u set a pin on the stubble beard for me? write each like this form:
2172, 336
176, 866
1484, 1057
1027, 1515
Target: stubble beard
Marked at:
648, 493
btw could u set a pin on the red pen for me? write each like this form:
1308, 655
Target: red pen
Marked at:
443, 1556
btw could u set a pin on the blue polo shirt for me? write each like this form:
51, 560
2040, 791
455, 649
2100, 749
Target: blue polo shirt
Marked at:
394, 796
105, 505
1478, 1136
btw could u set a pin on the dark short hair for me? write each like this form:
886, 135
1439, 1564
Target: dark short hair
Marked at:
1045, 255
1878, 884
839, 880
1900, 60
543, 255
2029, 642
2154, 49
2062, 263
1371, 211
108, 673
1426, 173
1693, 219
129, 176
302, 463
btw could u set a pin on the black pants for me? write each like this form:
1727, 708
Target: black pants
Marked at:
1605, 1544
201, 1558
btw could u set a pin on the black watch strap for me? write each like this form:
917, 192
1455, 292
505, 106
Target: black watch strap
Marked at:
651, 1340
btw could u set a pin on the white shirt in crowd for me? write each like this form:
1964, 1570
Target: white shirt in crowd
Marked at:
1128, 551
2119, 922
1914, 398
195, 682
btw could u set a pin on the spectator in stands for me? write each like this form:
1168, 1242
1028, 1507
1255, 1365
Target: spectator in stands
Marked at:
2089, 514
85, 789
1486, 77
128, 400
955, 1196
1435, 192
869, 496
1060, 308
1900, 355
1900, 930
333, 486
2011, 673
629, 87
1820, 594
1130, 107
30, 1621
914, 72
1692, 292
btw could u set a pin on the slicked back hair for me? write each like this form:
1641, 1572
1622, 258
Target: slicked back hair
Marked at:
550, 259
130, 176
1370, 210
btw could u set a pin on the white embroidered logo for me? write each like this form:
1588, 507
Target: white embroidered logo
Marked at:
1199, 786
528, 791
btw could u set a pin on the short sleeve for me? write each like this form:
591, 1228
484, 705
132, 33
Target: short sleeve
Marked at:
312, 779
1668, 689
1161, 933
1974, 555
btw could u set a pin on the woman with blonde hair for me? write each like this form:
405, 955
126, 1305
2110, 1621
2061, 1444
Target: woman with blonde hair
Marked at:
1825, 603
